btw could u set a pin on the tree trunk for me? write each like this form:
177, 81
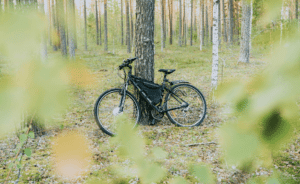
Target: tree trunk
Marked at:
184, 23
122, 33
97, 26
165, 22
191, 40
281, 22
219, 22
100, 23
296, 11
170, 2
215, 55
180, 23
144, 50
50, 22
105, 25
224, 22
245, 39
55, 42
230, 26
71, 29
202, 33
44, 36
238, 22
162, 25
61, 18
127, 27
85, 33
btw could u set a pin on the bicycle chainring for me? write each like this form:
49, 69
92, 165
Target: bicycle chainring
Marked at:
157, 115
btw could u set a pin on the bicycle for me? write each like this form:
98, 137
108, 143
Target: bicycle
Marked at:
184, 104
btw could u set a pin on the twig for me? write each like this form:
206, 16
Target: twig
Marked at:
19, 174
202, 143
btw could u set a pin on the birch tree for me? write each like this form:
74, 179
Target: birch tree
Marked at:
215, 52
170, 2
105, 26
100, 23
162, 26
180, 23
245, 37
207, 28
144, 50
202, 30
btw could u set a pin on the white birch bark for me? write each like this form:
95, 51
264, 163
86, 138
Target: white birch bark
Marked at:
245, 39
215, 52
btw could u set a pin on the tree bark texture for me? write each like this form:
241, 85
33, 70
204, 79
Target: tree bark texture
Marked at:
122, 33
55, 43
62, 31
71, 29
191, 39
230, 25
215, 52
50, 20
44, 53
224, 22
245, 39
127, 27
100, 23
105, 26
219, 22
144, 50
296, 6
97, 26
131, 23
85, 31
184, 23
207, 28
180, 23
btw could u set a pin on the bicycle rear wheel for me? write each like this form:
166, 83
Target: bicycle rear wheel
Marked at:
107, 109
194, 114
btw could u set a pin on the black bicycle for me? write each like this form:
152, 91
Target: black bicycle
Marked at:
184, 104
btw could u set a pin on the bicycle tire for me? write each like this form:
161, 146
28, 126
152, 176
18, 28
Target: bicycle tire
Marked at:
192, 101
103, 125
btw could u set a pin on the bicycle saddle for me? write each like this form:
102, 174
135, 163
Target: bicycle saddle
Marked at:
166, 71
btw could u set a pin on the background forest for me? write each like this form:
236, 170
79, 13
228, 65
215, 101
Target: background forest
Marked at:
58, 56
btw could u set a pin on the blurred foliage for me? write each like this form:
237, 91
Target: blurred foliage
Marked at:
28, 84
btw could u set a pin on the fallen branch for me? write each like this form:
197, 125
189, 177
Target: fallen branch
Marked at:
203, 143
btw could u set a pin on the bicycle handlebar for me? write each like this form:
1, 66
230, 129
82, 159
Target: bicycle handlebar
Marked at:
127, 62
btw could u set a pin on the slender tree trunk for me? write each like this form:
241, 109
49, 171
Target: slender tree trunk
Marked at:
219, 22
74, 25
281, 22
105, 25
162, 25
144, 50
97, 26
191, 40
215, 55
61, 18
165, 22
127, 27
54, 41
100, 23
184, 23
238, 22
71, 29
122, 33
85, 31
245, 39
202, 25
180, 23
171, 21
251, 16
224, 22
230, 26
296, 10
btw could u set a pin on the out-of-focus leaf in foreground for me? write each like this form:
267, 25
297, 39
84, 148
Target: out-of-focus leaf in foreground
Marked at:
203, 174
131, 145
72, 155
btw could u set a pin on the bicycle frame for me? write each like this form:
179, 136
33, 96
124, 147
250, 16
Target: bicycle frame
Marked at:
130, 79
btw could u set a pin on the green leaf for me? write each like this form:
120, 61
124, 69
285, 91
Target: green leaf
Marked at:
178, 180
203, 174
23, 138
28, 152
31, 135
159, 153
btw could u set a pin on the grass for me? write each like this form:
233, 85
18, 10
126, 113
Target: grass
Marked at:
191, 65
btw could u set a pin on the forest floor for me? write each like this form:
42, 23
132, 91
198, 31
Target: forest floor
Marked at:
191, 65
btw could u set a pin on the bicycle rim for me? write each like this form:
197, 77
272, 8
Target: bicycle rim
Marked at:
194, 114
107, 110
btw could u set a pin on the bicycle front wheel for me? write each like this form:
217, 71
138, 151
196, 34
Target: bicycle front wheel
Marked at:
107, 108
190, 116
